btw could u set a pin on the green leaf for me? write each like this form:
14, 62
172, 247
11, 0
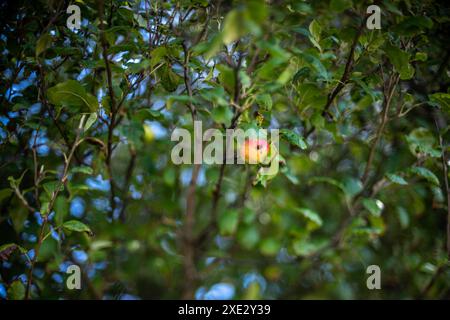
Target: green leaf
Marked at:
352, 186
310, 94
101, 244
5, 193
302, 247
311, 216
421, 56
248, 215
16, 291
209, 48
72, 94
318, 66
51, 186
171, 99
329, 181
61, 209
366, 231
169, 176
301, 74
90, 121
425, 173
43, 43
288, 174
287, 74
169, 79
374, 206
248, 237
45, 208
226, 78
82, 169
421, 141
338, 6
215, 95
48, 251
262, 178
318, 121
77, 226
228, 222
222, 114
413, 25
293, 138
157, 55
400, 61
133, 130
396, 179
137, 67
441, 99
252, 291
403, 217
18, 217
270, 247
315, 29
232, 27
428, 268
244, 79
257, 10
140, 20
150, 114
240, 21
315, 43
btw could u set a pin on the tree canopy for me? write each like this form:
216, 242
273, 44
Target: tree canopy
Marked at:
85, 149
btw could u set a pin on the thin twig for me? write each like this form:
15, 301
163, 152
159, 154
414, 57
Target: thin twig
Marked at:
393, 80
113, 111
345, 76
446, 183
130, 169
55, 193
190, 270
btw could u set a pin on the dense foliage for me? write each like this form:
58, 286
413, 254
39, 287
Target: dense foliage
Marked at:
87, 178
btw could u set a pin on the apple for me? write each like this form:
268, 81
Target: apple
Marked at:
149, 135
254, 150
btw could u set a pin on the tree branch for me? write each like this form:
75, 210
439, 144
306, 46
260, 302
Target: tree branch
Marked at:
130, 169
113, 112
445, 174
55, 193
345, 76
190, 270
393, 80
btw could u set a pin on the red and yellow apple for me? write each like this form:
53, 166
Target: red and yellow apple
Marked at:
254, 150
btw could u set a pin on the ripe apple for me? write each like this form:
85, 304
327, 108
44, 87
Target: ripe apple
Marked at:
254, 150
149, 135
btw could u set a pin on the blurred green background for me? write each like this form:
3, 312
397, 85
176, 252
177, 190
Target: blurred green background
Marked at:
363, 180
